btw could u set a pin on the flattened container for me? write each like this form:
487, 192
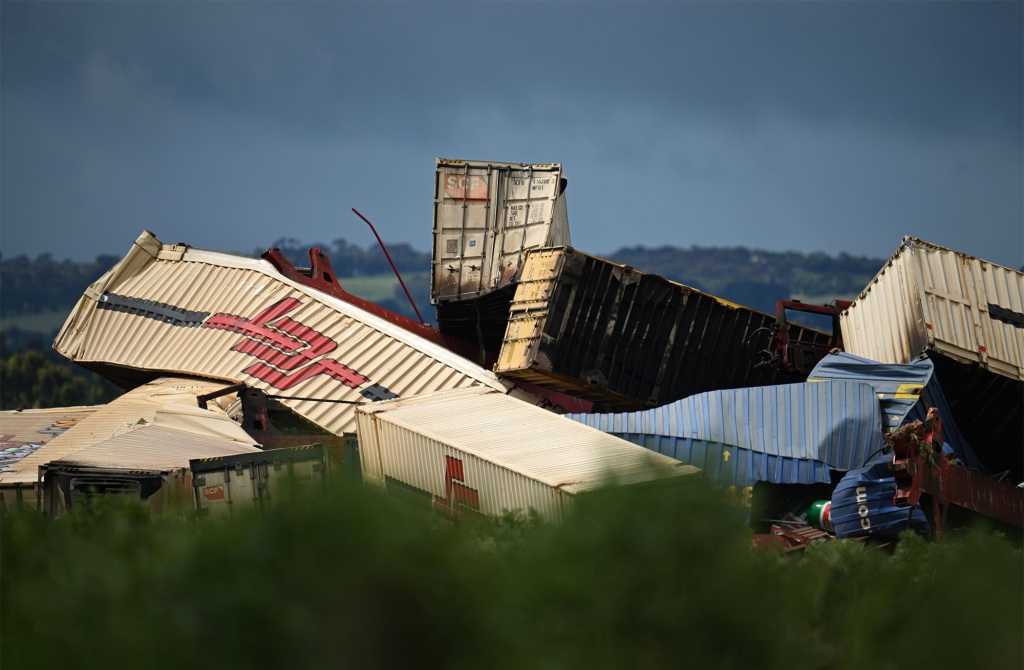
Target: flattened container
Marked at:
965, 314
171, 309
786, 434
22, 433
480, 452
224, 485
486, 215
626, 339
149, 462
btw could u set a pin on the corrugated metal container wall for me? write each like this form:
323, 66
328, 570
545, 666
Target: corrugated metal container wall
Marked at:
626, 339
137, 407
171, 309
223, 485
22, 432
474, 450
837, 423
967, 315
151, 460
929, 299
485, 216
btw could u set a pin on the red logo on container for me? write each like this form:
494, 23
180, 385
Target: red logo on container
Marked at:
213, 492
457, 494
465, 187
290, 352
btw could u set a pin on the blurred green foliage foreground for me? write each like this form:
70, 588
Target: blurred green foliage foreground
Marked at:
661, 578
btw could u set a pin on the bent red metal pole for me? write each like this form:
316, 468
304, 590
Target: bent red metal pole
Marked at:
385, 249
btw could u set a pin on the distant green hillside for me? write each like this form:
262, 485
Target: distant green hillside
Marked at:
36, 295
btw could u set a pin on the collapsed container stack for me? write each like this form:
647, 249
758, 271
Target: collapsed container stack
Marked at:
465, 417
626, 339
967, 316
486, 216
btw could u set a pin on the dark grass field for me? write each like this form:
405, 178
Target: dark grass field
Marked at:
662, 578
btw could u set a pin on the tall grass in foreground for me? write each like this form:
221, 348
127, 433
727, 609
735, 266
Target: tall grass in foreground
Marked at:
661, 578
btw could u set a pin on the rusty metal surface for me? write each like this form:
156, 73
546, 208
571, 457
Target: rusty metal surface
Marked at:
486, 215
920, 468
629, 340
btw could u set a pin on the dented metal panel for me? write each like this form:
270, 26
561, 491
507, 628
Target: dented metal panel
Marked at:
223, 485
626, 339
837, 423
477, 451
149, 461
932, 300
135, 409
22, 433
967, 316
192, 312
486, 215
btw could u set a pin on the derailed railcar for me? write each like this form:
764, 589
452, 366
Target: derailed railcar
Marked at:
228, 317
486, 216
149, 463
474, 451
630, 340
784, 434
224, 485
967, 316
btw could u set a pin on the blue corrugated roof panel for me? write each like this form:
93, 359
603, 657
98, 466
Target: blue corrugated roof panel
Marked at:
731, 465
898, 386
833, 423
905, 390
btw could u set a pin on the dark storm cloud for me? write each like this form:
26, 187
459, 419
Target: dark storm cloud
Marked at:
817, 126
356, 67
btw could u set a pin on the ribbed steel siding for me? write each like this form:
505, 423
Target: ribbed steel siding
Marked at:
112, 419
834, 422
626, 339
485, 216
932, 299
899, 386
26, 431
515, 455
153, 448
391, 360
728, 464
862, 505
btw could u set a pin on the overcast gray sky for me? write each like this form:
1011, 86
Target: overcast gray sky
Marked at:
808, 126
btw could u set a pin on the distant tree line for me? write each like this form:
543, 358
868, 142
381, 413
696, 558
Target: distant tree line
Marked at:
350, 260
42, 285
33, 375
751, 277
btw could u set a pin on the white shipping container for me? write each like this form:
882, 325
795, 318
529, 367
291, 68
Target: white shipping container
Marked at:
478, 451
177, 310
932, 300
486, 215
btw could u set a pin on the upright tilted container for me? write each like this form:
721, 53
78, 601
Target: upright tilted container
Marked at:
480, 452
967, 316
486, 216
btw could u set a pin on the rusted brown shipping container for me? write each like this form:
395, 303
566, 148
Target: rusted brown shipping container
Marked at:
626, 339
